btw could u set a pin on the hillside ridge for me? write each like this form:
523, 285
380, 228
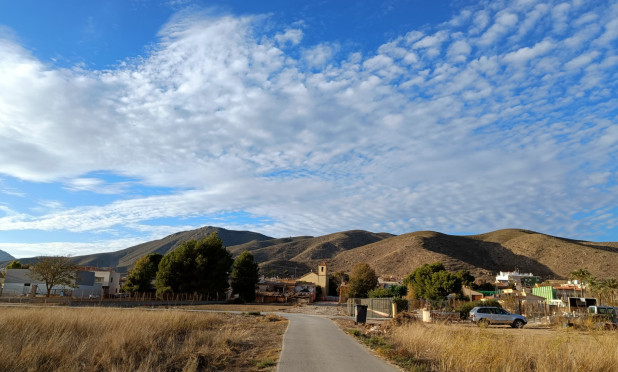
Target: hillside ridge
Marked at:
5, 256
397, 255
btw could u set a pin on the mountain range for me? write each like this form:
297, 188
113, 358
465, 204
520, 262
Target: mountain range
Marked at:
4, 256
483, 255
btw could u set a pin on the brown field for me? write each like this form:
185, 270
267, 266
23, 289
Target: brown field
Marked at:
436, 347
239, 307
102, 339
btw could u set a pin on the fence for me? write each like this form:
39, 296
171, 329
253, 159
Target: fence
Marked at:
118, 300
376, 307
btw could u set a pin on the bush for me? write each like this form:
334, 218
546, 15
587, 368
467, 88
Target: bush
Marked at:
401, 303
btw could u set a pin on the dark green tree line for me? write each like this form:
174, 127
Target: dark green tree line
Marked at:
142, 275
200, 266
244, 276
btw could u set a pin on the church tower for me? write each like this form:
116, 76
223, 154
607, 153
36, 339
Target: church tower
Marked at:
323, 278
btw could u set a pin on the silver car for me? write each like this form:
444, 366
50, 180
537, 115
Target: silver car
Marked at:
486, 315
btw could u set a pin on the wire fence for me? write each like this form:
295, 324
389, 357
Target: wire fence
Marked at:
376, 307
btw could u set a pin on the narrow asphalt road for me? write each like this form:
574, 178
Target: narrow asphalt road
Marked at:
313, 343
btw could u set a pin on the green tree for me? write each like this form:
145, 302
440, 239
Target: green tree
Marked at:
196, 267
245, 276
605, 290
612, 287
14, 265
432, 282
336, 281
583, 276
143, 273
55, 270
362, 279
466, 278
395, 291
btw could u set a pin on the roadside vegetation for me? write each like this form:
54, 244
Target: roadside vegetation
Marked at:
70, 339
416, 346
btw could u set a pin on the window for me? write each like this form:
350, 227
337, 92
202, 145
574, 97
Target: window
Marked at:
98, 279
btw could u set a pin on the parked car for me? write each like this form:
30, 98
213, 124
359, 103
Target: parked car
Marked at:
605, 316
487, 315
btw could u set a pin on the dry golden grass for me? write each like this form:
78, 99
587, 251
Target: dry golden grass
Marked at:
240, 307
452, 348
98, 339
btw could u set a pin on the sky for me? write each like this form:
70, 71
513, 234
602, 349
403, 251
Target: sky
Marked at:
125, 121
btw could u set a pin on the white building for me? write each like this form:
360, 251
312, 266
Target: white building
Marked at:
94, 282
108, 281
520, 279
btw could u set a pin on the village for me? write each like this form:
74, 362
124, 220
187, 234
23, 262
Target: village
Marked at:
520, 293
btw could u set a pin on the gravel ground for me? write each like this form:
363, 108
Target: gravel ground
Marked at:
328, 309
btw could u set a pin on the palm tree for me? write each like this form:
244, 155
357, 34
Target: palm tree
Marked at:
610, 286
583, 276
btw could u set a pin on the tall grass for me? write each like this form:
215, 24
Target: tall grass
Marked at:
97, 339
447, 348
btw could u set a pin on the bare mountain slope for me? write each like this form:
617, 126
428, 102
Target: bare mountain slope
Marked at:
502, 250
4, 256
124, 259
484, 254
304, 254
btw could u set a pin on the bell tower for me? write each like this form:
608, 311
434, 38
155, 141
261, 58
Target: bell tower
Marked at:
323, 278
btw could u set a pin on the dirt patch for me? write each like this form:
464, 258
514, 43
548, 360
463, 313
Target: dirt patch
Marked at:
329, 309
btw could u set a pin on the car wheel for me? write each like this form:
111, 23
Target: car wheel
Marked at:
518, 323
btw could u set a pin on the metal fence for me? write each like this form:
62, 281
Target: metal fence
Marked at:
376, 307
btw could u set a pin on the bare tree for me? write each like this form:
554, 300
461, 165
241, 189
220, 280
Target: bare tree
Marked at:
54, 270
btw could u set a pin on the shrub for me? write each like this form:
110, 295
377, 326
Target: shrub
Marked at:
401, 303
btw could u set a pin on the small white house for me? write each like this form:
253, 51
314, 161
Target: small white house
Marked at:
98, 283
17, 282
520, 279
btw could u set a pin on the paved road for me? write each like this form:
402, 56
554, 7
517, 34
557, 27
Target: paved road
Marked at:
313, 343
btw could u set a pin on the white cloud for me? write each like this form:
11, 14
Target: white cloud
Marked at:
524, 54
292, 36
581, 61
431, 41
459, 50
407, 138
504, 22
560, 15
319, 55
532, 19
96, 185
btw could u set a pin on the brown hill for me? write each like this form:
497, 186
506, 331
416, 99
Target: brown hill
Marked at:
124, 259
502, 250
483, 255
301, 254
4, 256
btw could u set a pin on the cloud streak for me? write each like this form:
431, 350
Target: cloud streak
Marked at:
497, 119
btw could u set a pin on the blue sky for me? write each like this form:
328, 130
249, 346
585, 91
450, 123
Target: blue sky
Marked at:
125, 121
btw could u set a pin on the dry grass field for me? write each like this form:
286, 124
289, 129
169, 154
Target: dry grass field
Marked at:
436, 347
101, 339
